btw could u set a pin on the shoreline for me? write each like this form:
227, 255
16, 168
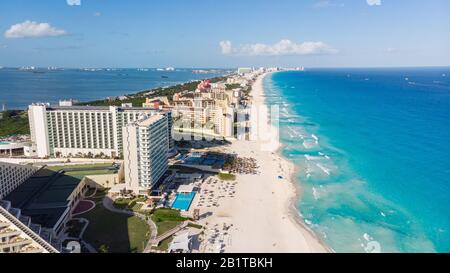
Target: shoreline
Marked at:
294, 212
263, 214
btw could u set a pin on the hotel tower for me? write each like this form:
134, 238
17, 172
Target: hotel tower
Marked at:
84, 131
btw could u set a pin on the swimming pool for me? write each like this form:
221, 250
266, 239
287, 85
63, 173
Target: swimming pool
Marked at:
183, 201
4, 143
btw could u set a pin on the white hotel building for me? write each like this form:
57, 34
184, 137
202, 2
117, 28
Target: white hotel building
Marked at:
145, 152
12, 176
81, 131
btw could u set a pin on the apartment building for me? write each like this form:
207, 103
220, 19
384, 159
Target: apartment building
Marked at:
145, 150
84, 131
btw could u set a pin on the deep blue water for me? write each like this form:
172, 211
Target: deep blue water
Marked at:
20, 88
373, 151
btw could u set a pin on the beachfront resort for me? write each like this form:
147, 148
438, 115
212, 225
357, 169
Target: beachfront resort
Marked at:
166, 176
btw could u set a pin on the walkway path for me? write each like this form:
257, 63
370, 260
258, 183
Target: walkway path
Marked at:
169, 233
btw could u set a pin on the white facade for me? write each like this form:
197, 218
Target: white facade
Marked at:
37, 115
12, 175
244, 70
83, 131
224, 122
145, 146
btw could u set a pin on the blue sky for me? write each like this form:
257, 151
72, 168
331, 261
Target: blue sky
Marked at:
219, 33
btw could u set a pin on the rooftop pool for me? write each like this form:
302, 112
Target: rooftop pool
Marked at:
183, 201
4, 143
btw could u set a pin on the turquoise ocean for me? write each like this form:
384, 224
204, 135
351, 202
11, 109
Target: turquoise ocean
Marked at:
372, 148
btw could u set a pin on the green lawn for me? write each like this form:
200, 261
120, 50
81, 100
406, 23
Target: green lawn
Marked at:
130, 204
227, 176
82, 166
164, 244
118, 232
167, 219
165, 226
81, 171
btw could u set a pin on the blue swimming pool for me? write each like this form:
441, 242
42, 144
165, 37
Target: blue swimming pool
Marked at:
183, 201
4, 143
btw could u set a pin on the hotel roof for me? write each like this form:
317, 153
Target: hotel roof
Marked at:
44, 196
149, 120
95, 108
99, 108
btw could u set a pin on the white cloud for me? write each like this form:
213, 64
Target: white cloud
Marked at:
74, 2
33, 29
374, 2
282, 48
226, 47
327, 4
97, 14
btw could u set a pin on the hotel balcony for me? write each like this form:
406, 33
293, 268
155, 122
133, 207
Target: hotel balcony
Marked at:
16, 243
9, 233
30, 249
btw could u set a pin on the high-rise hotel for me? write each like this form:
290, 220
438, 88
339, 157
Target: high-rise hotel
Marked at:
84, 131
145, 152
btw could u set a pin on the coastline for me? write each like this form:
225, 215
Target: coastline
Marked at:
264, 215
293, 211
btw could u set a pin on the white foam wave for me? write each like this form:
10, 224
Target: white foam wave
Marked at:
325, 170
315, 193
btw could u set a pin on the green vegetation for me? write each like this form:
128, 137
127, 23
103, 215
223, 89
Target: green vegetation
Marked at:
14, 123
195, 226
121, 203
117, 233
164, 244
129, 204
74, 228
80, 171
227, 176
83, 166
164, 214
233, 86
103, 249
139, 98
167, 219
165, 226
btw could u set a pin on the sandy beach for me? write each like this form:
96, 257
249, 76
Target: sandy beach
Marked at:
261, 215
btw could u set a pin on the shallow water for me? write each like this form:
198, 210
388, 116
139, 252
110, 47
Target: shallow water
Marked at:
372, 147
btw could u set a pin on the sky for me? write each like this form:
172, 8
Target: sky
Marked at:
224, 33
